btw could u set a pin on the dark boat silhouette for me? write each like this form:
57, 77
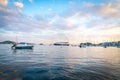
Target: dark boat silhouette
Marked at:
61, 44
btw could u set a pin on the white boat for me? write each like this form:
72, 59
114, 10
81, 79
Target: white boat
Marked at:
61, 44
22, 45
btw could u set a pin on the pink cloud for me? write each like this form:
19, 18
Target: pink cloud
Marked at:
110, 10
19, 4
3, 2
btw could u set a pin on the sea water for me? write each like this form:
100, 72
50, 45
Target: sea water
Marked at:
59, 63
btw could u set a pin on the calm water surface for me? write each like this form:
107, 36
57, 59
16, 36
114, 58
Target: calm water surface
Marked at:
59, 63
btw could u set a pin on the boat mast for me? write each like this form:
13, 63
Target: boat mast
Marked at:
16, 39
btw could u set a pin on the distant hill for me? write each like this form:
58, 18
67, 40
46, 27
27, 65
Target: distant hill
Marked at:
7, 42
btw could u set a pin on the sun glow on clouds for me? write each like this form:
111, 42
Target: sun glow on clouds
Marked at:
3, 2
89, 22
19, 4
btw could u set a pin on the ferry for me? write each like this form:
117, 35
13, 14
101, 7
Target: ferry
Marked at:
61, 44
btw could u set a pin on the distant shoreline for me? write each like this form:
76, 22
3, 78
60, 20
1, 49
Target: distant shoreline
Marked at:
82, 45
7, 42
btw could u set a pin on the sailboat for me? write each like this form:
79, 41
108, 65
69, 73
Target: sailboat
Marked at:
22, 45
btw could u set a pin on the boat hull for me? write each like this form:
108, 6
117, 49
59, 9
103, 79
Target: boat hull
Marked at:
24, 47
61, 44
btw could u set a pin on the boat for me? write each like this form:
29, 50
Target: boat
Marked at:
22, 45
61, 44
41, 44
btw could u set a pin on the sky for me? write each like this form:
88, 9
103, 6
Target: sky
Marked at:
49, 21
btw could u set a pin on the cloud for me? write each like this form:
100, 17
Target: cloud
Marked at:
89, 21
72, 3
18, 4
88, 4
100, 15
106, 9
30, 1
110, 10
14, 20
4, 2
4, 16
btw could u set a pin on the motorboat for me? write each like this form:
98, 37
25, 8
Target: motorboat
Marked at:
22, 45
61, 44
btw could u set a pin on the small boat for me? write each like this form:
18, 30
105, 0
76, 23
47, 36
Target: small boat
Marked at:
41, 44
22, 45
61, 44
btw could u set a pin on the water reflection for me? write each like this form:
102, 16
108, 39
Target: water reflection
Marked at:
56, 63
19, 51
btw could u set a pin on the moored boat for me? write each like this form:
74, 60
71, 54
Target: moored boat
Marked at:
22, 45
61, 44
